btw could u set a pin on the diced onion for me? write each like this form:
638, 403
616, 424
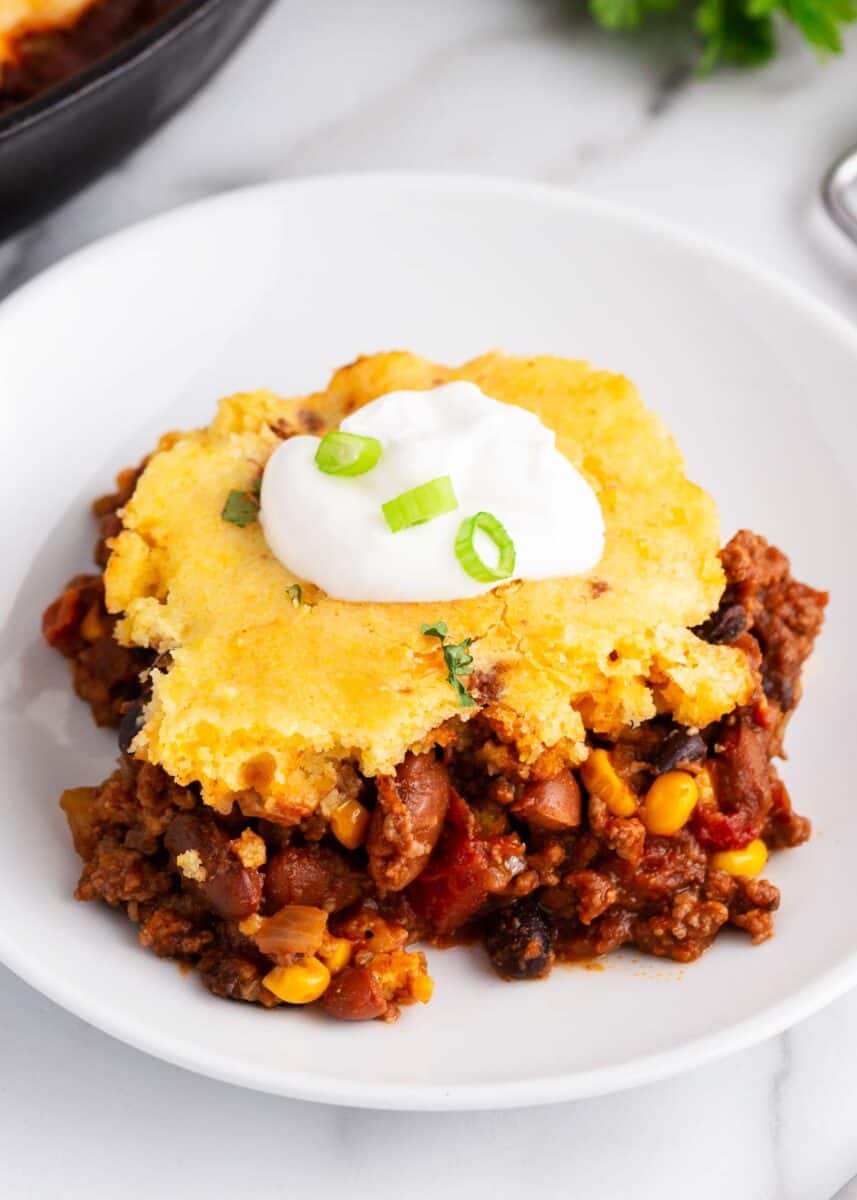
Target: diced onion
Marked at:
468, 556
295, 929
347, 454
420, 504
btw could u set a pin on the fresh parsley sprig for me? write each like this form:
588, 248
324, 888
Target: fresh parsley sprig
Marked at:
457, 658
739, 32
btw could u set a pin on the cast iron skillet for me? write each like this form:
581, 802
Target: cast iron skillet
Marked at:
54, 144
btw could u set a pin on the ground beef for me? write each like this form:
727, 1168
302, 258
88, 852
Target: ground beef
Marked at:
461, 844
135, 832
682, 930
235, 977
783, 615
46, 58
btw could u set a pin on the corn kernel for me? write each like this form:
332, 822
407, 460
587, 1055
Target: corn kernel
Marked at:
251, 925
335, 953
602, 780
669, 802
746, 862
300, 983
349, 823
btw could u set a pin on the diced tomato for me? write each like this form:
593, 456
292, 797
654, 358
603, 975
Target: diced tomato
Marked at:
717, 830
456, 881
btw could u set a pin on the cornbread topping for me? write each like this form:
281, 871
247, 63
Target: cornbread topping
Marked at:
330, 529
266, 700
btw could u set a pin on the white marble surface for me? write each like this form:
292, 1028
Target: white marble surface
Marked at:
522, 88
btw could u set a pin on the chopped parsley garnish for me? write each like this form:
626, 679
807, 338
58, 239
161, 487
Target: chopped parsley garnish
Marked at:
296, 594
458, 661
242, 508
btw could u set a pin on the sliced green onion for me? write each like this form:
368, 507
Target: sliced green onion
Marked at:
468, 556
420, 504
347, 454
241, 508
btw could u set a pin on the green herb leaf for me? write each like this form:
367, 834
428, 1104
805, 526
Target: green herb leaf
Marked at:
296, 594
617, 14
736, 32
458, 661
241, 508
733, 34
819, 20
628, 14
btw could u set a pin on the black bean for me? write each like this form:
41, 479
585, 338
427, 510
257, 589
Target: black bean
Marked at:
678, 749
520, 940
725, 625
130, 725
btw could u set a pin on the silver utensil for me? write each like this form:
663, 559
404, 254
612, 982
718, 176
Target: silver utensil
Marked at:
839, 193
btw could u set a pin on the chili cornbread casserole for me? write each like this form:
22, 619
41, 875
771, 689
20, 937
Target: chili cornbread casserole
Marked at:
555, 766
43, 42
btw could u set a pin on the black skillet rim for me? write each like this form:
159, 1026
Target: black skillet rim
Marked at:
99, 74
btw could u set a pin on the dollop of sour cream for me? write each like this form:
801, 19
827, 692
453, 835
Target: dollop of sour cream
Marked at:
330, 529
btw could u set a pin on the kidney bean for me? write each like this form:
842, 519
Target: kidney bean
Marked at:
233, 891
678, 749
407, 821
551, 803
355, 995
741, 775
314, 875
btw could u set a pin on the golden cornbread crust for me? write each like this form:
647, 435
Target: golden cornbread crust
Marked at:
274, 705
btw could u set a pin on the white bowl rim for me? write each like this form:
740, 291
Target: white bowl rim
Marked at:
643, 1069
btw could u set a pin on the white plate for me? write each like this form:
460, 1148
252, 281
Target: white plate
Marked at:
275, 287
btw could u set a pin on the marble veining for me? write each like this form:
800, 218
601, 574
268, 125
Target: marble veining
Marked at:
524, 88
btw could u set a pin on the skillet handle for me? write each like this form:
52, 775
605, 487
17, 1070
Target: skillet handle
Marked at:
839, 181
